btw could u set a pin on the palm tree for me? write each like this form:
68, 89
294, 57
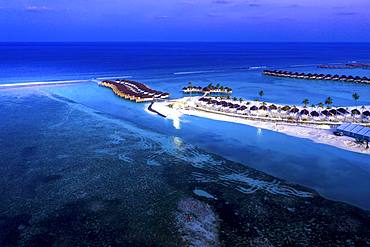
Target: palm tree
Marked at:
261, 93
190, 84
240, 100
222, 88
235, 98
328, 101
210, 85
313, 105
218, 85
305, 102
355, 96
320, 105
228, 97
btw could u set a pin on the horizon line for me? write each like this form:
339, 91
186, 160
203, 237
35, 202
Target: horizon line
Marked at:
277, 42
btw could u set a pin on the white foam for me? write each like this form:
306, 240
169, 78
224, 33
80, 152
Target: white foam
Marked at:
196, 72
41, 83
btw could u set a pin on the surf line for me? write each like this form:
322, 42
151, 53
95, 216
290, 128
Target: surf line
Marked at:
30, 84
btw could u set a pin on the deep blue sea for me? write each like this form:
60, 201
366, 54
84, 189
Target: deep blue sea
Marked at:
63, 143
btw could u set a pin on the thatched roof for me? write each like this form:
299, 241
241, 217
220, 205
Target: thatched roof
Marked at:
326, 113
254, 108
294, 110
285, 108
263, 107
272, 107
342, 111
305, 112
314, 114
333, 112
355, 112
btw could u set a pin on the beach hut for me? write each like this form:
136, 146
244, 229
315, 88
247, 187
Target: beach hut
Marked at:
273, 107
325, 113
253, 108
285, 108
355, 112
304, 112
294, 110
342, 111
366, 113
333, 112
263, 108
314, 114
241, 110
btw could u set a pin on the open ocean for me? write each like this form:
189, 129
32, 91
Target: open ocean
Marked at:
67, 148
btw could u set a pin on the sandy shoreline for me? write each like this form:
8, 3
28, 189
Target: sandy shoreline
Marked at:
317, 133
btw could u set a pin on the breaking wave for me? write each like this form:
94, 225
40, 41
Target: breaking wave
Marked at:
41, 83
197, 72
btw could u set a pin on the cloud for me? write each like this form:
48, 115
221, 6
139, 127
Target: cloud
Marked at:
346, 13
37, 9
161, 17
223, 1
254, 5
187, 2
211, 14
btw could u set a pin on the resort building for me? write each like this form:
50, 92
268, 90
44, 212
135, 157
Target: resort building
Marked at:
356, 131
134, 91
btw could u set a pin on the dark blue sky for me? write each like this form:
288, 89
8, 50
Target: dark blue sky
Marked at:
185, 20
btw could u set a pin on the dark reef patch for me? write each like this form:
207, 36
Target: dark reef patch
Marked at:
11, 227
28, 152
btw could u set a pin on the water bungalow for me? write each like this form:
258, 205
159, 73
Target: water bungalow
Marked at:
134, 91
346, 66
310, 76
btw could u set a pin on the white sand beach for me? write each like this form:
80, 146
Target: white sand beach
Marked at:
317, 133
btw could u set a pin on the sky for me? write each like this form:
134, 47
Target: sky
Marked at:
185, 20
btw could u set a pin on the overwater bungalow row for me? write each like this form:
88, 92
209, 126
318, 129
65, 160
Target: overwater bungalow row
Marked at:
310, 76
134, 91
346, 66
255, 109
208, 89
